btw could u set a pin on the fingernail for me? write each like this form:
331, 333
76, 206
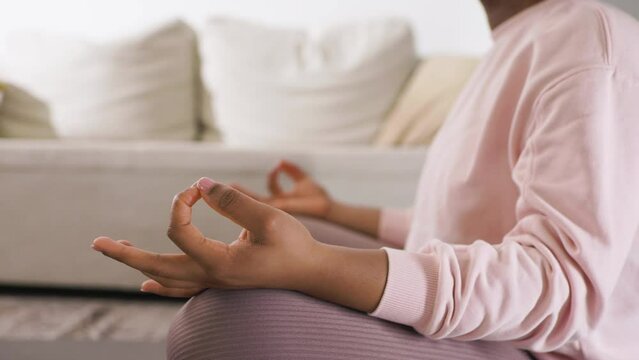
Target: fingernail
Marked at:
205, 184
142, 289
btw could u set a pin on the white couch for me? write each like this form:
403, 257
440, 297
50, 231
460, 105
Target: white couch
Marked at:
56, 196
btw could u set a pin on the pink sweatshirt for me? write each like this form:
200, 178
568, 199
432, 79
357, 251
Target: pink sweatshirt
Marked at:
526, 223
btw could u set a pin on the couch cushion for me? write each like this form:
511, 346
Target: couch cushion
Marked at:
274, 86
23, 115
426, 101
142, 87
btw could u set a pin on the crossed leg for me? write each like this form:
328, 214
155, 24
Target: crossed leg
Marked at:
280, 324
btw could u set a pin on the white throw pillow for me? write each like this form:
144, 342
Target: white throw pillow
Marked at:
143, 87
274, 86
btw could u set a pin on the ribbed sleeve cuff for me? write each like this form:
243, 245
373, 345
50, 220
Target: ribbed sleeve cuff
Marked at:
394, 225
411, 287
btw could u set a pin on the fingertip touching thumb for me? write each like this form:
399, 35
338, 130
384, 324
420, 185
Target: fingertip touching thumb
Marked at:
205, 184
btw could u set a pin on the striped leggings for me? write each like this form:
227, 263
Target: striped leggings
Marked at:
280, 324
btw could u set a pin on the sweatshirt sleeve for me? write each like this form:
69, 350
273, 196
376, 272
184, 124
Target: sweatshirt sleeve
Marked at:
547, 283
394, 225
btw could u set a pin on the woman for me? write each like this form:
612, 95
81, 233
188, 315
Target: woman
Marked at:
524, 233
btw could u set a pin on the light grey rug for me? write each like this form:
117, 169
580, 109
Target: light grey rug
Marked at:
80, 350
47, 318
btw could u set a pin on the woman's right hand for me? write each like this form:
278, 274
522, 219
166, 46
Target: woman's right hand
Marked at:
306, 197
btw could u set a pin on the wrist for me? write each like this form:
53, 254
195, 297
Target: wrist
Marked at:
311, 270
354, 278
332, 211
362, 219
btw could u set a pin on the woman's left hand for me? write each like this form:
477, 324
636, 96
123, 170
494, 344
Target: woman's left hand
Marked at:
274, 250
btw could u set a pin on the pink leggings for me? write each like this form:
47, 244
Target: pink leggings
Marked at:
280, 324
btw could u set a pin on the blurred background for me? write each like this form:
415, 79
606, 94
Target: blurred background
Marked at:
452, 26
109, 108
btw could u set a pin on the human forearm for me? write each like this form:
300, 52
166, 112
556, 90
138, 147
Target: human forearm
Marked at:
350, 277
362, 219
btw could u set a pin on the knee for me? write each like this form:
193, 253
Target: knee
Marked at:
228, 324
197, 325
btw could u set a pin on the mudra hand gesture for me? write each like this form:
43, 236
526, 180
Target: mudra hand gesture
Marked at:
274, 250
306, 197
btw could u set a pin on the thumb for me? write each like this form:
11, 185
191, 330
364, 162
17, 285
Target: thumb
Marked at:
238, 207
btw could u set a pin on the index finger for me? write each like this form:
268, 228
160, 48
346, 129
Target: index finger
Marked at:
182, 231
289, 169
295, 172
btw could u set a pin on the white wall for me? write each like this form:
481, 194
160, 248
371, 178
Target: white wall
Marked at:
441, 26
631, 6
